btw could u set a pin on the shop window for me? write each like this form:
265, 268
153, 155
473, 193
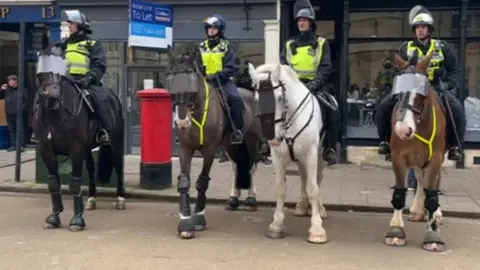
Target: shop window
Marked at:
472, 73
473, 24
326, 29
370, 80
111, 79
144, 56
396, 24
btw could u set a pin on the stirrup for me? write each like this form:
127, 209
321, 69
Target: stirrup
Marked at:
235, 140
101, 133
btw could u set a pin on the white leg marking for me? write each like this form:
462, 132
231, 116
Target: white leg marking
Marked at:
252, 192
234, 192
397, 219
280, 189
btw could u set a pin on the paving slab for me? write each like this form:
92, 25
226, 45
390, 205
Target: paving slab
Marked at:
344, 185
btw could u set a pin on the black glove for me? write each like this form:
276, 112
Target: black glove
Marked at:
84, 82
211, 78
312, 86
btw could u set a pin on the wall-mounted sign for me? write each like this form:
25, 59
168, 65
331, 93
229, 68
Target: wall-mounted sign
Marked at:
150, 25
28, 13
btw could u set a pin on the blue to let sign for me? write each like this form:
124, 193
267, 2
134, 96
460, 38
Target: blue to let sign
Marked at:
150, 25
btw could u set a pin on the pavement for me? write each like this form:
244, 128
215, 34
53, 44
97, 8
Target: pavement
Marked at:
345, 187
144, 237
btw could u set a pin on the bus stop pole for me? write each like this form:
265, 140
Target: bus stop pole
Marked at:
20, 93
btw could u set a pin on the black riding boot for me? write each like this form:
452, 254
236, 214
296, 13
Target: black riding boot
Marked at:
331, 136
384, 118
103, 136
458, 115
77, 223
236, 111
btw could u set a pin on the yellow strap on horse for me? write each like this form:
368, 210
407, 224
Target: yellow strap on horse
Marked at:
201, 126
429, 142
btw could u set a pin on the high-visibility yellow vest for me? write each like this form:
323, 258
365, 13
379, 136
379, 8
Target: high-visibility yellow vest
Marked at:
212, 58
78, 57
306, 60
437, 57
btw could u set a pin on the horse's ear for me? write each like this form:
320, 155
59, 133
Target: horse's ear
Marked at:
171, 55
400, 62
275, 75
252, 72
423, 65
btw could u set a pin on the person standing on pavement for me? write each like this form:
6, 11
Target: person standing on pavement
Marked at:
10, 93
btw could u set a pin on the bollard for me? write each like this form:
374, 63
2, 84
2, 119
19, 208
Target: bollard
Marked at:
156, 139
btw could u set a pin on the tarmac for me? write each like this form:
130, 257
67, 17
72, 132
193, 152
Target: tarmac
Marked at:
144, 237
345, 187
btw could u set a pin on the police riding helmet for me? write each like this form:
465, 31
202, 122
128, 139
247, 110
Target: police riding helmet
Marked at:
423, 19
309, 14
217, 21
77, 17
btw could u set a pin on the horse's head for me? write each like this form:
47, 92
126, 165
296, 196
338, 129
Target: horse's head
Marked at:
269, 95
51, 71
411, 87
184, 81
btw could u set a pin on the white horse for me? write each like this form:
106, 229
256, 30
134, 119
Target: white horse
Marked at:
292, 121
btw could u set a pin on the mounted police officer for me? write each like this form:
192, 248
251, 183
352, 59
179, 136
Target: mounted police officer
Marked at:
217, 57
309, 55
87, 64
443, 74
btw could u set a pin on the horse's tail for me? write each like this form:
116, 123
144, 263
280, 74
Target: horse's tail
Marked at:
243, 177
105, 164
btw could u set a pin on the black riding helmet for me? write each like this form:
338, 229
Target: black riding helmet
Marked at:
303, 9
78, 18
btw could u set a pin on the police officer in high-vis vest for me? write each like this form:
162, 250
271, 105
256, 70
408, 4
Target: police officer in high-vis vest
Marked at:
309, 55
217, 57
87, 64
443, 73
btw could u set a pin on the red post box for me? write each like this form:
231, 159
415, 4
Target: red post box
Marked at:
156, 140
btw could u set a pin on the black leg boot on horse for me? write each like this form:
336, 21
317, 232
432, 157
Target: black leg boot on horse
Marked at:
54, 187
77, 223
456, 125
384, 122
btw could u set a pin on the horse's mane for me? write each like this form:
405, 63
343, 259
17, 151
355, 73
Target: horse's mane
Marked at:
286, 71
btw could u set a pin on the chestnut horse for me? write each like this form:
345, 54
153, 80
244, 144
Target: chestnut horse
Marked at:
419, 142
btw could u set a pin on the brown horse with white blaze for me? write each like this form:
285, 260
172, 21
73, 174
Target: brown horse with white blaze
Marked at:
418, 142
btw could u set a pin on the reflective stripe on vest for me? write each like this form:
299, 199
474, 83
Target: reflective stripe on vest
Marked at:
212, 59
78, 57
437, 57
306, 61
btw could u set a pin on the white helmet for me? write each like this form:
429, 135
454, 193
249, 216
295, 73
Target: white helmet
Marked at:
419, 15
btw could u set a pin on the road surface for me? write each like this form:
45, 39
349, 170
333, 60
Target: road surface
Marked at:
143, 237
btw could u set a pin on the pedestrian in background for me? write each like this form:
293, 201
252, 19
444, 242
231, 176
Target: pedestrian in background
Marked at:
10, 93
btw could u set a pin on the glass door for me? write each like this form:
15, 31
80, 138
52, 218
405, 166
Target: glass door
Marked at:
139, 78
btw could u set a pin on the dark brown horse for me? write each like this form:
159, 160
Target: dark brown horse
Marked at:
203, 125
418, 142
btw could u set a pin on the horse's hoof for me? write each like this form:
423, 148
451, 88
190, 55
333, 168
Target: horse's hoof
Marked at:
52, 222
232, 204
396, 237
120, 204
199, 222
433, 242
76, 228
186, 229
416, 217
91, 205
77, 224
274, 234
317, 238
251, 204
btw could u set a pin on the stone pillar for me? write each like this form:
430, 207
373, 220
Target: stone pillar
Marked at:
64, 33
272, 41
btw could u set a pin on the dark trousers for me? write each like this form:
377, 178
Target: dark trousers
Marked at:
103, 107
384, 118
13, 125
458, 115
236, 104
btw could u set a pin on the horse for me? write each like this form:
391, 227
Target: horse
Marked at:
419, 142
292, 122
65, 126
202, 125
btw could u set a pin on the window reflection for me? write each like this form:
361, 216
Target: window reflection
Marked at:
473, 24
326, 29
396, 24
111, 79
472, 102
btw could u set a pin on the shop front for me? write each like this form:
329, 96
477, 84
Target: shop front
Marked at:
42, 20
